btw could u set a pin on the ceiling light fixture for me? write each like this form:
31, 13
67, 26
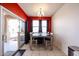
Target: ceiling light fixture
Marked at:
40, 12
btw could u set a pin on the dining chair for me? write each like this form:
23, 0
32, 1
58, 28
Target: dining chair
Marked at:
33, 41
48, 41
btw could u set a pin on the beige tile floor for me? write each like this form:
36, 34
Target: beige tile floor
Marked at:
41, 51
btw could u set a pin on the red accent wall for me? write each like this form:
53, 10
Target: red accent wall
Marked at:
39, 18
15, 8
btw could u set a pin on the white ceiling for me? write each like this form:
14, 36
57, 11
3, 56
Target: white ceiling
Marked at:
32, 9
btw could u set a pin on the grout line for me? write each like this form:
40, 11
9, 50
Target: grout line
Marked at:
40, 52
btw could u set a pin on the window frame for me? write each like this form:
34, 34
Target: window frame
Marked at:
40, 26
35, 26
45, 26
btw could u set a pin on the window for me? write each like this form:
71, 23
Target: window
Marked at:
11, 25
21, 26
35, 25
44, 25
39, 26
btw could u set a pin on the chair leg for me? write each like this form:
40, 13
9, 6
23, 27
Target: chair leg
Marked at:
46, 44
51, 44
31, 45
36, 42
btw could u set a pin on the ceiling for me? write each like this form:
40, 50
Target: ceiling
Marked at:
32, 9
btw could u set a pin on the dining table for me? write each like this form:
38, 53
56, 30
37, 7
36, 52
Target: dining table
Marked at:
41, 35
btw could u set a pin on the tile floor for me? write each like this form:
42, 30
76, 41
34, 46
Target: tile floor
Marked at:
10, 47
40, 51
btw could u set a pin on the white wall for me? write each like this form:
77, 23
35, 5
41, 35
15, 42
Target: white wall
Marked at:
0, 33
66, 26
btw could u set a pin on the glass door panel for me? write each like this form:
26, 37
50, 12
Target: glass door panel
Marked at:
21, 33
11, 41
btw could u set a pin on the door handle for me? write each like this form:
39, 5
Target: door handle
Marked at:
2, 37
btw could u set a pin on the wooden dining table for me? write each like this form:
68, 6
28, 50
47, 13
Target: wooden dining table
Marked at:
41, 35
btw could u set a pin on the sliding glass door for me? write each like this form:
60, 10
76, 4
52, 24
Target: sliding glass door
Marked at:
11, 33
21, 33
11, 40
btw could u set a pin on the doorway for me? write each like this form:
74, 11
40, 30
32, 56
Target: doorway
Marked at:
11, 32
11, 35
